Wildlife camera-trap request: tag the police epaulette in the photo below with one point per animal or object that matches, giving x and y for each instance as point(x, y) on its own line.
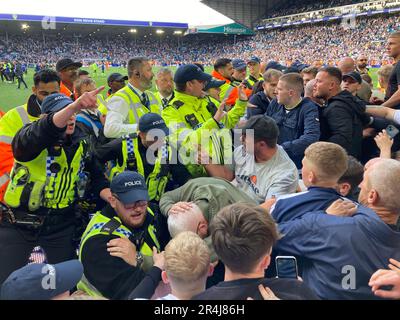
point(111, 226)
point(177, 104)
point(131, 136)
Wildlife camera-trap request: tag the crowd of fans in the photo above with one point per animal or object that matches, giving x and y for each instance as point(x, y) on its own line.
point(326, 42)
point(252, 182)
point(291, 7)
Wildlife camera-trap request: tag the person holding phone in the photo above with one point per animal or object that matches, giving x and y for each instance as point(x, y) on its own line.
point(243, 236)
point(340, 253)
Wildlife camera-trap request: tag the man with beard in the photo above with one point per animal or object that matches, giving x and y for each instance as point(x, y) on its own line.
point(68, 70)
point(46, 82)
point(165, 86)
point(49, 160)
point(121, 241)
point(362, 62)
point(343, 115)
point(133, 101)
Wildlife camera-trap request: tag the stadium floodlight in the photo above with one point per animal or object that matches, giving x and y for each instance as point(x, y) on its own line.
point(159, 31)
point(132, 30)
point(177, 32)
point(25, 26)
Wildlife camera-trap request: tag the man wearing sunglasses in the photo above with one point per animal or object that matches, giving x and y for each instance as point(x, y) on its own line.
point(122, 241)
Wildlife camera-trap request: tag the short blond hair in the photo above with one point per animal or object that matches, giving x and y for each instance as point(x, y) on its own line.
point(329, 160)
point(187, 259)
point(385, 72)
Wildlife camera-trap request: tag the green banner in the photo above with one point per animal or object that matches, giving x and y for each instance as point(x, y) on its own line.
point(233, 28)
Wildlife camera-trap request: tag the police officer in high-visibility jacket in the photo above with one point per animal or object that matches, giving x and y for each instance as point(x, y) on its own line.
point(122, 240)
point(133, 101)
point(116, 82)
point(165, 86)
point(195, 122)
point(45, 82)
point(149, 153)
point(254, 64)
point(51, 165)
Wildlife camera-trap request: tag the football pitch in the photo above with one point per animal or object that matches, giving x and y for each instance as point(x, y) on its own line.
point(11, 97)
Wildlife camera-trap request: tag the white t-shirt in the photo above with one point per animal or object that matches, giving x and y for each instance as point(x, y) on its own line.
point(397, 116)
point(278, 176)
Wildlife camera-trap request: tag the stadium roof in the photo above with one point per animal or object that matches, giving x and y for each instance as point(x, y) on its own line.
point(245, 12)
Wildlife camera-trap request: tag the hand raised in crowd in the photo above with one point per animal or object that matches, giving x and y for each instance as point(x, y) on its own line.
point(87, 100)
point(180, 207)
point(384, 143)
point(342, 208)
point(158, 258)
point(386, 284)
point(124, 249)
point(220, 112)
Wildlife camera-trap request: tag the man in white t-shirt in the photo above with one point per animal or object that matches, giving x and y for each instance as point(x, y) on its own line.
point(261, 167)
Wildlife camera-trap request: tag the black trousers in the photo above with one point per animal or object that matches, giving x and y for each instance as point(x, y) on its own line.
point(16, 245)
point(21, 80)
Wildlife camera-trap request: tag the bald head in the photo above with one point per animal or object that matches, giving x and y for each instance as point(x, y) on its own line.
point(185, 221)
point(309, 89)
point(347, 65)
point(383, 177)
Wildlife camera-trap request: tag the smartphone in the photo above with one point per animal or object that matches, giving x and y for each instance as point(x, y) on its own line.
point(286, 267)
point(392, 131)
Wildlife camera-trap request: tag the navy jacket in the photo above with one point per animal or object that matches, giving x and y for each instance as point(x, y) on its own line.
point(298, 128)
point(340, 254)
point(296, 205)
point(261, 101)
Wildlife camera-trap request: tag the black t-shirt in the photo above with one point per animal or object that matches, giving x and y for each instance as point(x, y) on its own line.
point(394, 82)
point(284, 289)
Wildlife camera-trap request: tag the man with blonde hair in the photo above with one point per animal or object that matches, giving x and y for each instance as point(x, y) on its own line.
point(243, 236)
point(324, 163)
point(187, 266)
point(340, 253)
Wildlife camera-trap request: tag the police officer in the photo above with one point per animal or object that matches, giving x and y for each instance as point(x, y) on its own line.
point(165, 86)
point(45, 82)
point(193, 119)
point(133, 101)
point(121, 240)
point(254, 64)
point(116, 82)
point(149, 153)
point(50, 164)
